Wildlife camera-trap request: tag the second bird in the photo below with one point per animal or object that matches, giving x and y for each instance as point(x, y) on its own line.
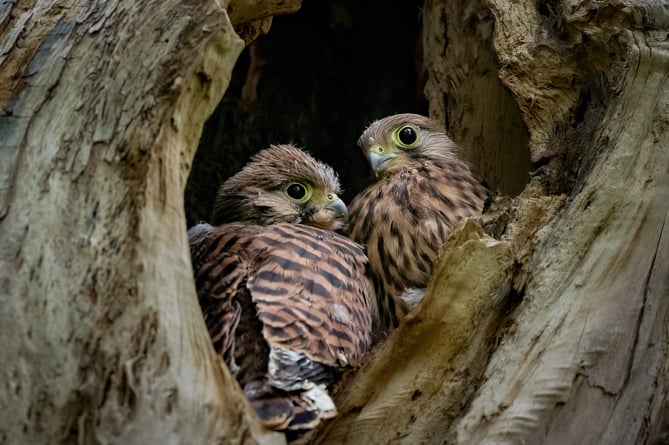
point(423, 190)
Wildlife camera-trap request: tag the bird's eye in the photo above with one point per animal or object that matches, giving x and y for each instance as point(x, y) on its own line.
point(296, 191)
point(407, 136)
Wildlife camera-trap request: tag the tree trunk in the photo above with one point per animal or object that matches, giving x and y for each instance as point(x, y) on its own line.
point(103, 105)
point(556, 331)
point(549, 325)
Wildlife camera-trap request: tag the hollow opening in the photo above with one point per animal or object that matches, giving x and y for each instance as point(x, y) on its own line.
point(321, 75)
point(317, 79)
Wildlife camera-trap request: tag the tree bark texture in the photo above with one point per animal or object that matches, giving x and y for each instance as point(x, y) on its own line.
point(467, 95)
point(103, 106)
point(546, 320)
point(554, 330)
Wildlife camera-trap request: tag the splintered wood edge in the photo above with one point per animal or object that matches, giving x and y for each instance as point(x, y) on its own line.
point(431, 349)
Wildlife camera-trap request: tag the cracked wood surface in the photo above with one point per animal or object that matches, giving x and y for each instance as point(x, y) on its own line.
point(582, 356)
point(557, 332)
point(590, 339)
point(103, 104)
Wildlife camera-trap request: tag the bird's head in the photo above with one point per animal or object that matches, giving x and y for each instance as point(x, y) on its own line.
point(404, 140)
point(282, 184)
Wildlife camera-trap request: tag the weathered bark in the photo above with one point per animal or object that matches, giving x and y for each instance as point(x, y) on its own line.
point(582, 355)
point(466, 93)
point(103, 340)
point(587, 359)
point(551, 328)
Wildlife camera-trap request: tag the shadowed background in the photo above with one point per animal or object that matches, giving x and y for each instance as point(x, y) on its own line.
point(323, 74)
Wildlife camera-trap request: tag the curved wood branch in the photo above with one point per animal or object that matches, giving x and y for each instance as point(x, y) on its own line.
point(103, 106)
point(583, 356)
point(247, 11)
point(589, 337)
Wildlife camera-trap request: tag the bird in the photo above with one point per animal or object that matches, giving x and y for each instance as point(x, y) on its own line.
point(282, 184)
point(288, 302)
point(422, 189)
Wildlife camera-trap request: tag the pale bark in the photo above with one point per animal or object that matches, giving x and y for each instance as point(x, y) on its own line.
point(582, 355)
point(553, 331)
point(103, 340)
point(587, 359)
point(466, 94)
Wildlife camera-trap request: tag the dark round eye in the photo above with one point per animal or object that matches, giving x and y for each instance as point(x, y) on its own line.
point(296, 191)
point(407, 136)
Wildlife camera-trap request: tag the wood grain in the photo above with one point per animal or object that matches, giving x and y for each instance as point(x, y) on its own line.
point(103, 106)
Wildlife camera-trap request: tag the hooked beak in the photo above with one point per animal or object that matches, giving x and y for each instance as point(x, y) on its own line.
point(378, 161)
point(338, 207)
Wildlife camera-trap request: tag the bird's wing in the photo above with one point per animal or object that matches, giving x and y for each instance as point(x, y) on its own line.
point(221, 269)
point(312, 294)
point(284, 305)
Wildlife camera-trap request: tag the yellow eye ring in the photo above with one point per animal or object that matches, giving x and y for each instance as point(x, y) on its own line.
point(298, 191)
point(406, 136)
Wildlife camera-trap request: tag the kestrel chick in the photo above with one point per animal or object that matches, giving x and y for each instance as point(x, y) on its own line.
point(423, 190)
point(288, 306)
point(282, 184)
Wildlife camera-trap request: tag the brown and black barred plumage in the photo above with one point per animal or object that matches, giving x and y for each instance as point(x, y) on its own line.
point(287, 305)
point(423, 190)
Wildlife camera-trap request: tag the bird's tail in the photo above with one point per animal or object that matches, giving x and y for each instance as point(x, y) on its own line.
point(294, 410)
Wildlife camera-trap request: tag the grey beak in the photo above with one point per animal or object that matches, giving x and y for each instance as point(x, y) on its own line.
point(338, 207)
point(378, 160)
